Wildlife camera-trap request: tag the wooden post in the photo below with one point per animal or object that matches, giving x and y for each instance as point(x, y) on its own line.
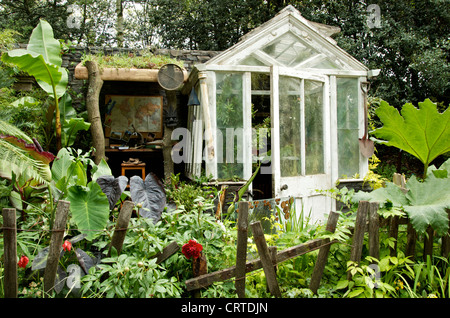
point(411, 238)
point(56, 241)
point(398, 180)
point(393, 232)
point(167, 138)
point(445, 247)
point(358, 235)
point(263, 251)
point(428, 243)
point(323, 254)
point(241, 251)
point(121, 227)
point(10, 253)
point(95, 84)
point(374, 230)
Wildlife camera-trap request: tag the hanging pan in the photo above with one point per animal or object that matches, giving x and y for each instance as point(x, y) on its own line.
point(365, 144)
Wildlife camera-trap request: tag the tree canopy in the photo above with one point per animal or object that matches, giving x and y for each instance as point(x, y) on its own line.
point(410, 45)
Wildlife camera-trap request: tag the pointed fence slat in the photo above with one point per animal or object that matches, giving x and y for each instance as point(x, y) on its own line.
point(10, 253)
point(56, 240)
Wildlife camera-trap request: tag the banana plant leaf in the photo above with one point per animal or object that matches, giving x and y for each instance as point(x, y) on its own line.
point(42, 60)
point(150, 193)
point(112, 187)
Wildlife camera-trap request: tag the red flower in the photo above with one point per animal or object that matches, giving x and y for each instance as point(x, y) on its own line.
point(192, 249)
point(23, 261)
point(67, 246)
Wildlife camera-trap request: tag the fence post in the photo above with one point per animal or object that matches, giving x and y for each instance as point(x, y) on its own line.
point(263, 251)
point(121, 226)
point(358, 235)
point(374, 230)
point(10, 252)
point(56, 241)
point(241, 251)
point(411, 238)
point(323, 254)
point(445, 247)
point(428, 243)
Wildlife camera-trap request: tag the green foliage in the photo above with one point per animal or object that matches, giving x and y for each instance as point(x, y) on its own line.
point(422, 132)
point(42, 60)
point(140, 60)
point(425, 202)
point(89, 207)
point(22, 156)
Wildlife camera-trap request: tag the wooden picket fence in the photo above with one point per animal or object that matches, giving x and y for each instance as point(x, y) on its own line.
point(56, 241)
point(367, 220)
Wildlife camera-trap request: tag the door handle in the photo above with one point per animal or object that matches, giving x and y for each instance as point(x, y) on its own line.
point(284, 187)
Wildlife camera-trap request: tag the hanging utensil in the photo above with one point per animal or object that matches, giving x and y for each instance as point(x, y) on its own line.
point(365, 144)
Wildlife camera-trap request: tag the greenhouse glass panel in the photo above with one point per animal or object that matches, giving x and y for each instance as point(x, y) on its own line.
point(290, 126)
point(229, 116)
point(289, 50)
point(314, 155)
point(347, 121)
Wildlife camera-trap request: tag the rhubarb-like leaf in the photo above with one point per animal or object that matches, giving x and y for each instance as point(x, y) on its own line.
point(425, 202)
point(423, 132)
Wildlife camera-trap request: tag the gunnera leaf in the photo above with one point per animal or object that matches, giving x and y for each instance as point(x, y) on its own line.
point(112, 187)
point(150, 193)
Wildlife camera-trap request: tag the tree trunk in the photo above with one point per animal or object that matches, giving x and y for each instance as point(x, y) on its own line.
point(92, 104)
point(119, 24)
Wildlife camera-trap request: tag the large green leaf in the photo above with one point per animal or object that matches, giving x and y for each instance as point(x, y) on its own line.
point(425, 202)
point(90, 209)
point(43, 42)
point(34, 64)
point(71, 128)
point(42, 59)
point(428, 202)
point(423, 132)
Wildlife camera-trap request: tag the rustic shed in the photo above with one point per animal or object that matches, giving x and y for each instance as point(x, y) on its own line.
point(285, 95)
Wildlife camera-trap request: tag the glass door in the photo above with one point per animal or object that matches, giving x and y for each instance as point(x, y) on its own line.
point(300, 147)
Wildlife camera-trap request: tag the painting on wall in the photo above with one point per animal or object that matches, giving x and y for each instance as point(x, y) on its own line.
point(142, 114)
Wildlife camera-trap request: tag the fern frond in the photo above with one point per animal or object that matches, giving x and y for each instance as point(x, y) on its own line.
point(14, 159)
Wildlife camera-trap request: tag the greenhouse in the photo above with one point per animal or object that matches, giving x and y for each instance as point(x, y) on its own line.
point(286, 79)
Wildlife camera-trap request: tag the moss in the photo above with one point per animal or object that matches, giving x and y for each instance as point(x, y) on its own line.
point(145, 60)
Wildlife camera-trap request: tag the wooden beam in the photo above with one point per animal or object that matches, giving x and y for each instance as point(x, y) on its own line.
point(253, 265)
point(92, 105)
point(168, 251)
point(123, 74)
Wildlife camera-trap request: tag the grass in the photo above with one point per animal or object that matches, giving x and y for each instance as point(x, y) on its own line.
point(141, 60)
